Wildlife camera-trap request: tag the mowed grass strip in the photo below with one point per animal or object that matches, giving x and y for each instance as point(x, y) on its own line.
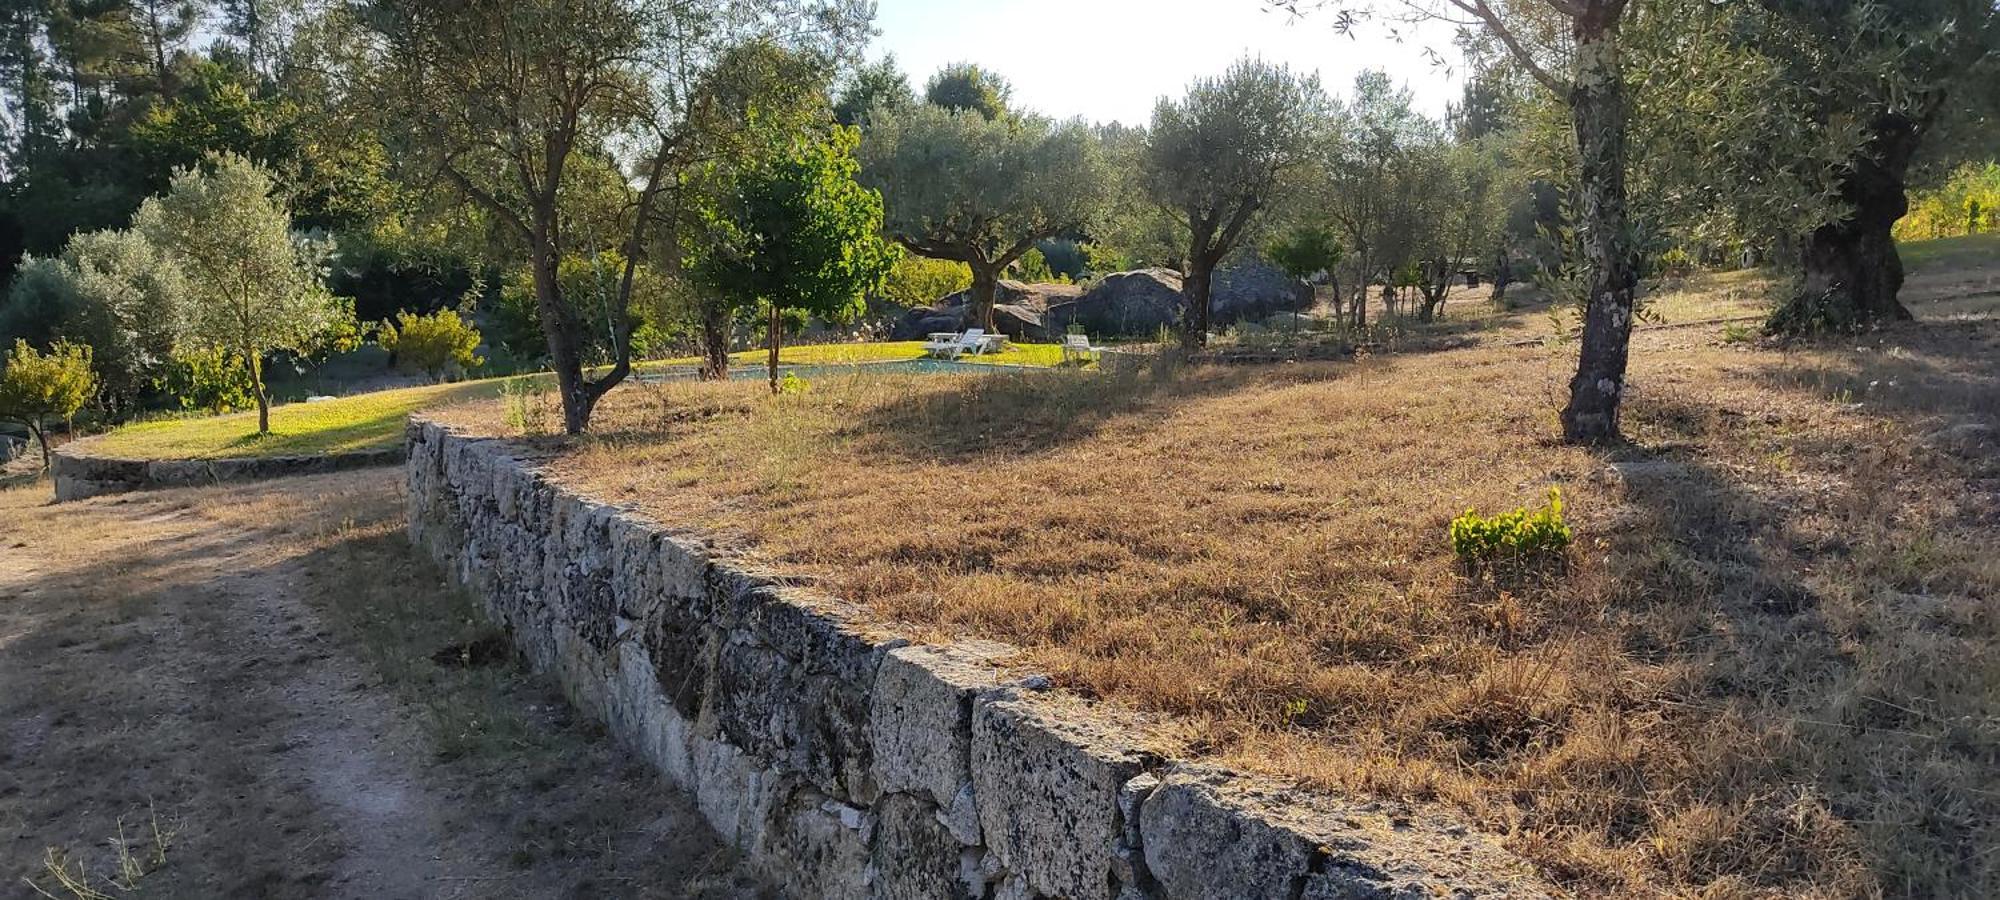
point(360, 422)
point(1771, 667)
point(374, 420)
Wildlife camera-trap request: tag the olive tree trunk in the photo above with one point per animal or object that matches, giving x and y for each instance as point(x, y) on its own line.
point(1850, 273)
point(1598, 107)
point(565, 343)
point(254, 361)
point(714, 340)
point(776, 336)
point(1195, 289)
point(985, 288)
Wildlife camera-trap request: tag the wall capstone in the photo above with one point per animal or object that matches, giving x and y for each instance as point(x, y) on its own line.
point(845, 762)
point(79, 473)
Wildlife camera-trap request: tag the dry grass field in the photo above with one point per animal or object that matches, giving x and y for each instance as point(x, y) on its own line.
point(1772, 666)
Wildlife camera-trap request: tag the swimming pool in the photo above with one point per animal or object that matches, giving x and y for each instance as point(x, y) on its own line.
point(922, 366)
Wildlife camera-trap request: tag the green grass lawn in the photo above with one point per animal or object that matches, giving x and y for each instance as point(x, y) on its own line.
point(367, 421)
point(360, 422)
point(1964, 250)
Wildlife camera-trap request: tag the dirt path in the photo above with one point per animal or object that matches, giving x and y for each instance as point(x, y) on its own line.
point(240, 681)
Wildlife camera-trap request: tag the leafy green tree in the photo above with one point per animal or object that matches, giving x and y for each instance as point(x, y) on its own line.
point(1218, 156)
point(1803, 122)
point(1304, 251)
point(37, 387)
point(1539, 36)
point(955, 187)
point(799, 234)
point(432, 343)
point(252, 288)
point(966, 86)
point(503, 99)
point(112, 290)
point(878, 84)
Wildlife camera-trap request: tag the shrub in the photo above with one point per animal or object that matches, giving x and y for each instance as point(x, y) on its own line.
point(1511, 543)
point(432, 343)
point(922, 281)
point(211, 380)
point(36, 387)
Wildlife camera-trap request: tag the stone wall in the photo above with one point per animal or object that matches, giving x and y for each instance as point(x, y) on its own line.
point(848, 763)
point(79, 474)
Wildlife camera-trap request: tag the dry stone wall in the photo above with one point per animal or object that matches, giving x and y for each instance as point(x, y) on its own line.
point(79, 473)
point(846, 762)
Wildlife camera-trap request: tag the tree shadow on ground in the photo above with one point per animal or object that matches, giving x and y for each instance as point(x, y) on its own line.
point(1820, 629)
point(1908, 372)
point(1034, 412)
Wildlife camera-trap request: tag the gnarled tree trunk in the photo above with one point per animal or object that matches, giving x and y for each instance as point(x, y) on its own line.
point(1850, 272)
point(1598, 107)
point(1195, 290)
point(565, 343)
point(985, 286)
point(714, 340)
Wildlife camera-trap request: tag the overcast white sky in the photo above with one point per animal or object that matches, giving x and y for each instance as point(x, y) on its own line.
point(1109, 60)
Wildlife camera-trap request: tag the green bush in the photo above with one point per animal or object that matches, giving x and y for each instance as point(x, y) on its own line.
point(1511, 542)
point(210, 380)
point(37, 387)
point(433, 343)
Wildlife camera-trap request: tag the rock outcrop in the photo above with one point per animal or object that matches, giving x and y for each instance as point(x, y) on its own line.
point(1122, 304)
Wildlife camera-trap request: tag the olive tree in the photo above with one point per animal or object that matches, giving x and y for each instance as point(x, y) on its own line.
point(112, 290)
point(253, 288)
point(1801, 122)
point(501, 100)
point(1217, 157)
point(959, 186)
point(1542, 38)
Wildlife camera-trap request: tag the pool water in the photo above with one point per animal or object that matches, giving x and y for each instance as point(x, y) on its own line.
point(809, 372)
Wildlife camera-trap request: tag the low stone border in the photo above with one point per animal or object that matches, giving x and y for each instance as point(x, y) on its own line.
point(845, 762)
point(78, 474)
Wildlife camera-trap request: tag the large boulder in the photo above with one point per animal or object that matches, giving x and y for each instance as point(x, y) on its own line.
point(1123, 304)
point(1252, 290)
point(1019, 311)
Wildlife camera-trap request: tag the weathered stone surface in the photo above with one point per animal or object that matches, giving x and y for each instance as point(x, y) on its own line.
point(915, 857)
point(79, 474)
point(1018, 311)
point(1129, 304)
point(1252, 290)
point(1048, 781)
point(1208, 832)
point(920, 719)
point(791, 686)
point(812, 848)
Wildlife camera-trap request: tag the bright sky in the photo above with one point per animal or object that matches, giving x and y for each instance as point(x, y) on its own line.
point(1109, 60)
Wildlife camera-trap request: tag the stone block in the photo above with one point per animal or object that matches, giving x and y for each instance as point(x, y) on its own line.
point(920, 719)
point(1047, 779)
point(791, 686)
point(914, 857)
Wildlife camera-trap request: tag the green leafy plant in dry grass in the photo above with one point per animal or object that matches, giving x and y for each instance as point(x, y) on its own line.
point(1514, 543)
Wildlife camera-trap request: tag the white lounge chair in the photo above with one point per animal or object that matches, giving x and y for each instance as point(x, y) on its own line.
point(1077, 348)
point(950, 345)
